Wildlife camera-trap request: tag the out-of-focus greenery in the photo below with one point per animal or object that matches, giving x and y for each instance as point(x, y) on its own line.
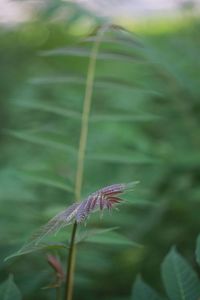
point(179, 279)
point(144, 126)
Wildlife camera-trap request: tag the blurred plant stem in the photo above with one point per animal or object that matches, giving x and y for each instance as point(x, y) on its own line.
point(81, 158)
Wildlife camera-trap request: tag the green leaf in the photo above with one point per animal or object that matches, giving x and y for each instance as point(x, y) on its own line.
point(59, 79)
point(118, 41)
point(100, 82)
point(32, 247)
point(61, 111)
point(142, 291)
point(181, 282)
point(53, 141)
point(135, 158)
point(116, 34)
point(9, 290)
point(198, 250)
point(123, 118)
point(85, 52)
point(110, 238)
point(82, 236)
point(46, 179)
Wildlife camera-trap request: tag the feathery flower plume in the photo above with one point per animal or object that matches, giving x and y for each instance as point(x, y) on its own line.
point(105, 198)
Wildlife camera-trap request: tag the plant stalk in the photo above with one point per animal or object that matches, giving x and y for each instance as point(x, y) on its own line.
point(81, 158)
point(70, 265)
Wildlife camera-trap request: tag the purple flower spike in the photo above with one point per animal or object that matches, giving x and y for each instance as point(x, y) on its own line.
point(105, 198)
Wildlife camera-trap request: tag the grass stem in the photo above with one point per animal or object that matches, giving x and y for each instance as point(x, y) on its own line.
point(81, 158)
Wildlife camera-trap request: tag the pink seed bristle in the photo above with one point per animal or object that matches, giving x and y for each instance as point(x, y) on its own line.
point(93, 203)
point(114, 200)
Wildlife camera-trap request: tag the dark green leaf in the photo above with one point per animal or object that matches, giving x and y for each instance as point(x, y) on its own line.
point(111, 238)
point(82, 236)
point(141, 291)
point(48, 140)
point(61, 111)
point(181, 282)
point(47, 179)
point(123, 118)
point(59, 79)
point(135, 158)
point(9, 290)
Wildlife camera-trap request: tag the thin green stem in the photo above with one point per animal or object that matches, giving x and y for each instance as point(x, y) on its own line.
point(85, 117)
point(71, 265)
point(81, 158)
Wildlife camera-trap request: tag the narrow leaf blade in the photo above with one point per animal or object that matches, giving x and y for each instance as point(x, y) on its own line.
point(55, 109)
point(30, 248)
point(111, 238)
point(46, 179)
point(52, 141)
point(85, 52)
point(123, 118)
point(82, 236)
point(135, 158)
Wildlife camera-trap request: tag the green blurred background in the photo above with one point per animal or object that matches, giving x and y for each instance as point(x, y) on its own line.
point(144, 126)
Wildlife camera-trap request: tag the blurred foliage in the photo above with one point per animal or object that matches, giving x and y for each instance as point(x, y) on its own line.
point(180, 280)
point(144, 126)
point(9, 291)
